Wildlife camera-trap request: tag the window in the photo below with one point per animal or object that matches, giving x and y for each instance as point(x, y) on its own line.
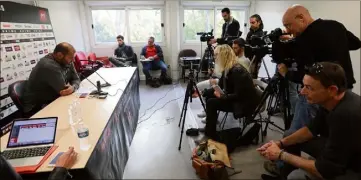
point(107, 25)
point(204, 20)
point(145, 23)
point(136, 25)
point(239, 15)
point(197, 21)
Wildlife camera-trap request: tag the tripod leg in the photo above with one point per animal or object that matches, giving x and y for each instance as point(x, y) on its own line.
point(184, 119)
point(195, 86)
point(186, 99)
point(182, 113)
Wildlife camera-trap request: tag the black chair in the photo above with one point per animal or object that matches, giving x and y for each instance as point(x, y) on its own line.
point(184, 66)
point(16, 93)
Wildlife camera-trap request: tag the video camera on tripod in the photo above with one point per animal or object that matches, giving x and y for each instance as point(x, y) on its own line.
point(281, 51)
point(206, 36)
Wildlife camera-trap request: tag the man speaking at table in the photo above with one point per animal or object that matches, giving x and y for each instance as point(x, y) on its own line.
point(52, 77)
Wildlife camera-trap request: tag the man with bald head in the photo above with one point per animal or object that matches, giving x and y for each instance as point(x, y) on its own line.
point(53, 76)
point(316, 41)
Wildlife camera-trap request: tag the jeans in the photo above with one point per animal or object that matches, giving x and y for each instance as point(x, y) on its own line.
point(293, 92)
point(304, 113)
point(119, 63)
point(153, 64)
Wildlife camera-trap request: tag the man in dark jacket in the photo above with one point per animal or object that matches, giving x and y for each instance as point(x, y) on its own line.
point(256, 29)
point(230, 29)
point(124, 54)
point(53, 76)
point(60, 172)
point(154, 53)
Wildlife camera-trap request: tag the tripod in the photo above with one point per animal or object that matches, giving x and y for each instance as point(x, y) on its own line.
point(207, 59)
point(190, 86)
point(280, 83)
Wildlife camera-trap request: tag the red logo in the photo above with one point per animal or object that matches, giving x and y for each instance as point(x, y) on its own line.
point(6, 25)
point(42, 15)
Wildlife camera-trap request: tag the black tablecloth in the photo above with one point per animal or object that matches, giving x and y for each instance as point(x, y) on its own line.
point(111, 152)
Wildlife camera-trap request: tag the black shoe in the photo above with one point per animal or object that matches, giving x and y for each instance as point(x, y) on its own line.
point(268, 177)
point(192, 132)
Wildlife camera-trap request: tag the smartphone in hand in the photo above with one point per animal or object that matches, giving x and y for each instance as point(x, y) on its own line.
point(218, 89)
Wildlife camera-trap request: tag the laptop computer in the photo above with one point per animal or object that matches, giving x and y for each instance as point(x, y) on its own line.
point(30, 140)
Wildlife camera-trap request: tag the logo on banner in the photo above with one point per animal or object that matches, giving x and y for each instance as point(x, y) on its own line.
point(21, 73)
point(41, 52)
point(2, 79)
point(27, 63)
point(15, 75)
point(17, 48)
point(20, 65)
point(45, 51)
point(32, 61)
point(8, 49)
point(6, 25)
point(42, 15)
point(6, 68)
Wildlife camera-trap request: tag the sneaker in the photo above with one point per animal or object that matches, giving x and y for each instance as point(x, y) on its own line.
point(271, 167)
point(204, 120)
point(198, 141)
point(202, 115)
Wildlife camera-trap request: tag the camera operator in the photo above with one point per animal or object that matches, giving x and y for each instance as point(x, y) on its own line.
point(256, 29)
point(316, 41)
point(328, 137)
point(239, 92)
point(230, 29)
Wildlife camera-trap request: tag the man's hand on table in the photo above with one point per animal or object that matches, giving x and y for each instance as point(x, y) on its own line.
point(69, 89)
point(67, 159)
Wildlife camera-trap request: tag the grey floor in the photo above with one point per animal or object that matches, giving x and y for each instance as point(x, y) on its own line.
point(154, 150)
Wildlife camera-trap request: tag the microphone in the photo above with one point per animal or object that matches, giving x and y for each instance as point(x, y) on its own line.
point(106, 82)
point(98, 86)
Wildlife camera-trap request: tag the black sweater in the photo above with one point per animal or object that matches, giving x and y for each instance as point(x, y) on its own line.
point(230, 33)
point(326, 40)
point(239, 90)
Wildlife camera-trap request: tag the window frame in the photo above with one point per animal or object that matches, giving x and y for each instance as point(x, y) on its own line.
point(216, 9)
point(127, 40)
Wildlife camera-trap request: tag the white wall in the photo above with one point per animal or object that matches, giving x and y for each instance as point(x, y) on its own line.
point(71, 23)
point(346, 12)
point(64, 16)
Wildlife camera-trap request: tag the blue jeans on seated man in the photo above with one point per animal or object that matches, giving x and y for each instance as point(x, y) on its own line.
point(147, 66)
point(303, 115)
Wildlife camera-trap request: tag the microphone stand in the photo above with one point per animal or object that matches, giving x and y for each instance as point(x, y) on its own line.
point(98, 91)
point(106, 82)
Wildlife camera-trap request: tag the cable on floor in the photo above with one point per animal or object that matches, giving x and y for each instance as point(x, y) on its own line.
point(170, 89)
point(158, 109)
point(275, 130)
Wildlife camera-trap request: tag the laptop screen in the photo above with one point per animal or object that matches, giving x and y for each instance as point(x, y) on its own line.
point(28, 132)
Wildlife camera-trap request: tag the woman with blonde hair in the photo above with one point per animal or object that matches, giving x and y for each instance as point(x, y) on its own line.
point(238, 92)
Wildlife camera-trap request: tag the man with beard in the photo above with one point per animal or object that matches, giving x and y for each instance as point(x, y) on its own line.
point(255, 30)
point(124, 54)
point(230, 29)
point(53, 76)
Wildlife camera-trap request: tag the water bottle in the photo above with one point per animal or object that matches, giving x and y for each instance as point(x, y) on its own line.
point(83, 135)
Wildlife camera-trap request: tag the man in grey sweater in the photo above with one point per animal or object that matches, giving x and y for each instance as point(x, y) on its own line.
point(52, 77)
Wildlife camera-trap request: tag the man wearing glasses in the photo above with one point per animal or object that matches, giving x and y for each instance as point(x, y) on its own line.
point(316, 41)
point(333, 137)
